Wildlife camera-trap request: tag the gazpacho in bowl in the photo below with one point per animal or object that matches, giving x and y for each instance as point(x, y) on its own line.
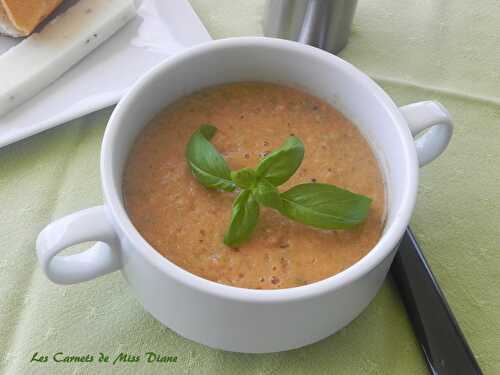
point(185, 222)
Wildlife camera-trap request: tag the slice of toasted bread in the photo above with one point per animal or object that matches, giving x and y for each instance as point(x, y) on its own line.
point(6, 27)
point(21, 17)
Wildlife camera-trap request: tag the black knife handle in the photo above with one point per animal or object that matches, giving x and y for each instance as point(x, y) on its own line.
point(443, 344)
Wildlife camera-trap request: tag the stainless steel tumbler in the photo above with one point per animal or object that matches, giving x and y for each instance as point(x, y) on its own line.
point(322, 23)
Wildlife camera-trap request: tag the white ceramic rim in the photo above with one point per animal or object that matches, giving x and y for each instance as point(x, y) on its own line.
point(382, 249)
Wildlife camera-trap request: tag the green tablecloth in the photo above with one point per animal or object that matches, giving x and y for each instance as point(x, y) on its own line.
point(418, 49)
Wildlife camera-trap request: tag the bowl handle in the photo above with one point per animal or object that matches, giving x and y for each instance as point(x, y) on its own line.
point(433, 116)
point(91, 224)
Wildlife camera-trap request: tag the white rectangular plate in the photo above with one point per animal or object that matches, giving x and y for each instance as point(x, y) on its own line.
point(160, 29)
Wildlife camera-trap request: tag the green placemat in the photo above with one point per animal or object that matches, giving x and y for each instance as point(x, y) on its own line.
point(420, 50)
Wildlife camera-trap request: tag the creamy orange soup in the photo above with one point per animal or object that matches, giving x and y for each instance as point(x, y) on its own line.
point(185, 222)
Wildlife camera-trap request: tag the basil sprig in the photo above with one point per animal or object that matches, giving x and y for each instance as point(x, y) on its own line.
point(319, 205)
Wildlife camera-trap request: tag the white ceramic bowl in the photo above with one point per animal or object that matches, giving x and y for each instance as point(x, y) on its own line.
point(226, 317)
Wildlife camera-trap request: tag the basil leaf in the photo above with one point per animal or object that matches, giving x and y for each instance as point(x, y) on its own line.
point(267, 195)
point(244, 178)
point(325, 206)
point(207, 130)
point(243, 219)
point(207, 165)
point(282, 163)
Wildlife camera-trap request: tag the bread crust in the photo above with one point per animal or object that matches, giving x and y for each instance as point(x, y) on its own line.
point(26, 15)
